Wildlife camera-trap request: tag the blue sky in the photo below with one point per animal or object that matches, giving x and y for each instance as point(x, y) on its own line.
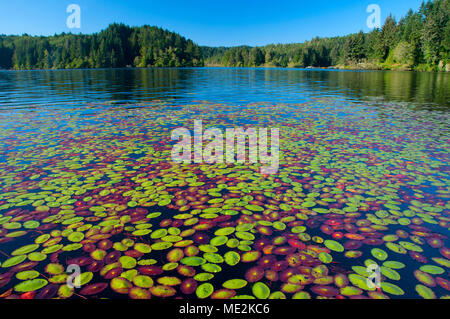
point(207, 22)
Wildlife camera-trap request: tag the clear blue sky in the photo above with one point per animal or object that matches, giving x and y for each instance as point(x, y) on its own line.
point(207, 22)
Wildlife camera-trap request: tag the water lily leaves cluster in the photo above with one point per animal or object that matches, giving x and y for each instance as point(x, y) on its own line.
point(358, 185)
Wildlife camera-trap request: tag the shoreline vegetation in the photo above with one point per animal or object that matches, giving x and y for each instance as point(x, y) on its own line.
point(419, 41)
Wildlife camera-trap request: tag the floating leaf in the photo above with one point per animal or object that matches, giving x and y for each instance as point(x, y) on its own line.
point(260, 290)
point(25, 249)
point(93, 289)
point(204, 290)
point(13, 261)
point(169, 281)
point(391, 289)
point(27, 275)
point(162, 291)
point(204, 276)
point(379, 254)
point(232, 258)
point(360, 282)
point(334, 245)
point(433, 270)
point(394, 264)
point(193, 261)
point(127, 262)
point(390, 273)
point(31, 285)
point(425, 292)
point(235, 284)
point(120, 285)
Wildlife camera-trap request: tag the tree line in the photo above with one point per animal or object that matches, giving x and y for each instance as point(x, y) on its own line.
point(420, 40)
point(117, 46)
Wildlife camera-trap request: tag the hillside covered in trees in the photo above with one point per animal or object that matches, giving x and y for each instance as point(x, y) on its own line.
point(117, 46)
point(420, 41)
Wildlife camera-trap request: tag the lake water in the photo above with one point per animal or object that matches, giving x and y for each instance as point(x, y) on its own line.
point(231, 85)
point(87, 180)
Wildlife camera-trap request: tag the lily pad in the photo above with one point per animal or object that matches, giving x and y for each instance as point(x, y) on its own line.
point(431, 269)
point(13, 261)
point(25, 250)
point(235, 283)
point(232, 258)
point(379, 254)
point(193, 261)
point(31, 285)
point(204, 290)
point(391, 289)
point(425, 292)
point(333, 245)
point(261, 290)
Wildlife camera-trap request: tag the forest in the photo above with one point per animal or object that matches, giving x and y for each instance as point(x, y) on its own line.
point(418, 41)
point(117, 46)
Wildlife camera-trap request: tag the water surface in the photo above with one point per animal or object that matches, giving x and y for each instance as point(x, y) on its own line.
point(87, 179)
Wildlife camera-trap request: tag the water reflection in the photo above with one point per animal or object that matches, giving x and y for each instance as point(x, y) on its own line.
point(24, 89)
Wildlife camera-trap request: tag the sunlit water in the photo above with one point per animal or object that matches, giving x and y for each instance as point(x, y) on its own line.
point(87, 178)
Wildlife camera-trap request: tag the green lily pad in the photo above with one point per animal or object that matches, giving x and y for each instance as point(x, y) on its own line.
point(54, 269)
point(232, 258)
point(213, 258)
point(25, 250)
point(169, 281)
point(325, 258)
point(254, 208)
point(161, 245)
point(204, 290)
point(245, 235)
point(211, 268)
point(250, 256)
point(277, 295)
point(27, 275)
point(159, 233)
point(333, 245)
point(391, 289)
point(193, 261)
point(76, 237)
point(31, 285)
point(394, 264)
point(379, 254)
point(360, 282)
point(425, 292)
point(224, 231)
point(442, 261)
point(411, 246)
point(261, 290)
point(143, 281)
point(13, 261)
point(390, 273)
point(127, 262)
point(204, 276)
point(431, 269)
point(235, 283)
point(396, 248)
point(219, 240)
point(350, 291)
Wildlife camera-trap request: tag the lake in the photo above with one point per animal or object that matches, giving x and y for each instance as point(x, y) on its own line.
point(93, 205)
point(231, 85)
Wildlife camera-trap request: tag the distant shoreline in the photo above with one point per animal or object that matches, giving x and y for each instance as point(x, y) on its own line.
point(339, 68)
point(335, 67)
point(330, 68)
